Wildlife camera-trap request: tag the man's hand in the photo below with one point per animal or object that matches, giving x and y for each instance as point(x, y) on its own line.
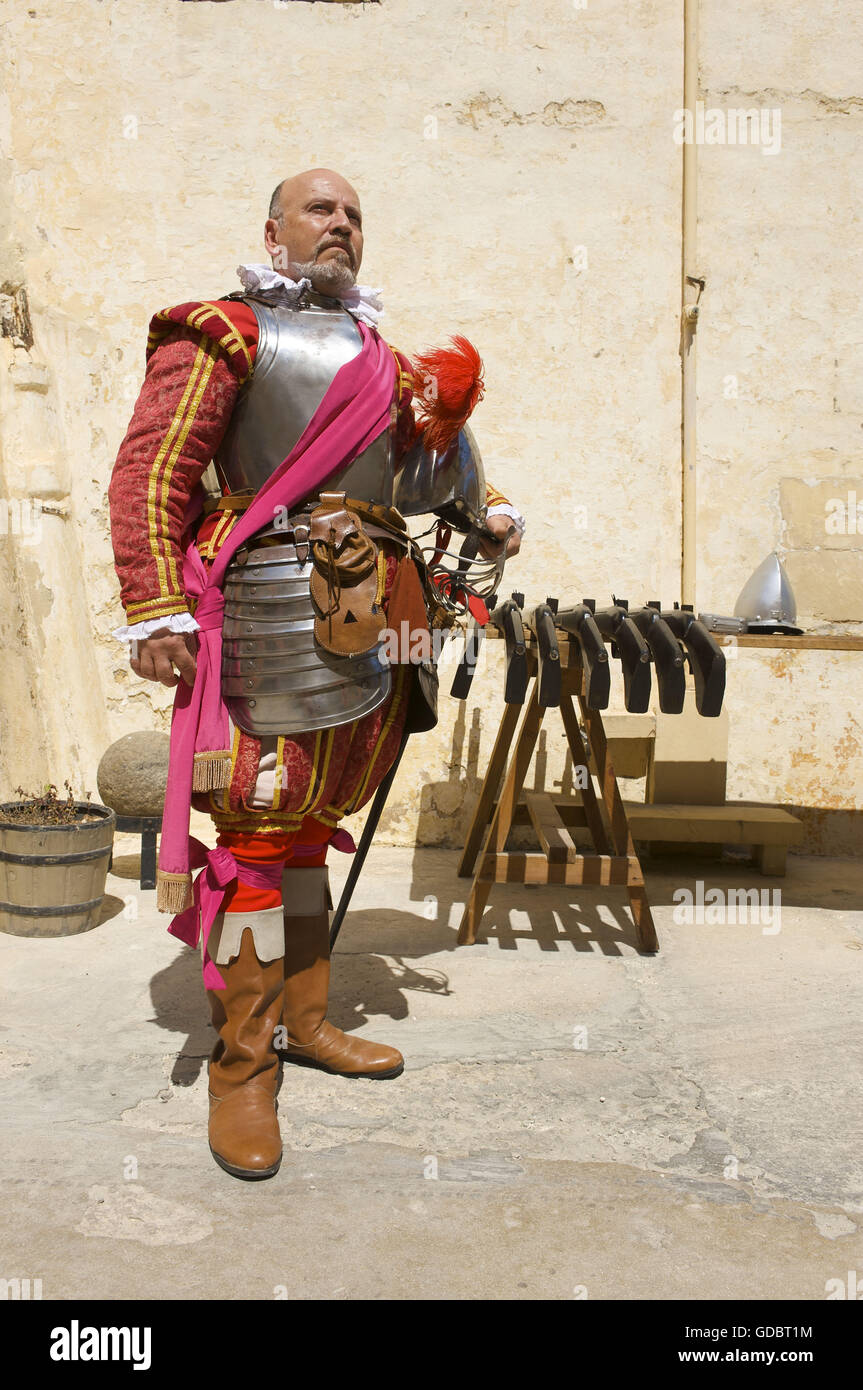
point(159, 654)
point(500, 526)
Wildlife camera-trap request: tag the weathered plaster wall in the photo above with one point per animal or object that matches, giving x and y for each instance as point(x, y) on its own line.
point(520, 184)
point(780, 362)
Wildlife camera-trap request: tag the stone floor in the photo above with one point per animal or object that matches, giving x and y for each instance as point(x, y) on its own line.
point(575, 1120)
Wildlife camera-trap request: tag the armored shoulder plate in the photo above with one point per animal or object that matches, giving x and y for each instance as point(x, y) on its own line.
point(451, 483)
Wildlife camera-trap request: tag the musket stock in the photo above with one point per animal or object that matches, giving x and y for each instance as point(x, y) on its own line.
point(542, 623)
point(617, 627)
point(668, 658)
point(579, 623)
point(667, 639)
point(706, 659)
point(463, 678)
point(507, 619)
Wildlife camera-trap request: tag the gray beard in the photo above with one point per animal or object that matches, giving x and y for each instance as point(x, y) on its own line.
point(327, 277)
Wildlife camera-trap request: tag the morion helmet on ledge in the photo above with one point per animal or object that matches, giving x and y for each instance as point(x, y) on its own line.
point(766, 601)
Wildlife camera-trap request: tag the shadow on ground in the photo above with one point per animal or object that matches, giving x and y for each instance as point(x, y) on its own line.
point(374, 973)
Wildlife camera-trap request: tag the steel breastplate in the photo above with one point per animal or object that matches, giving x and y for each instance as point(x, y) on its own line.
point(299, 352)
point(276, 679)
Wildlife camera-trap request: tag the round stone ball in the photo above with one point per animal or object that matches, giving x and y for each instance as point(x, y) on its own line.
point(133, 774)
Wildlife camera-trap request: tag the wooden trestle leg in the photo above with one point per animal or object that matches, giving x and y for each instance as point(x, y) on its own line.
point(642, 916)
point(501, 821)
point(614, 860)
point(499, 755)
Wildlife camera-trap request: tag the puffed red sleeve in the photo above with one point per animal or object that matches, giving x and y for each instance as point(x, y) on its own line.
point(406, 425)
point(198, 357)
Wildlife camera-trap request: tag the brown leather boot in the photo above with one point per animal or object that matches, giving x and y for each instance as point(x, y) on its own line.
point(244, 1068)
point(307, 1038)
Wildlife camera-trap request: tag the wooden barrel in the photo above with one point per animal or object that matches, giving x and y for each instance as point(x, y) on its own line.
point(52, 877)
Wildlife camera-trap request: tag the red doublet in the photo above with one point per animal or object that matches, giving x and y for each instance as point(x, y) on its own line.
point(198, 356)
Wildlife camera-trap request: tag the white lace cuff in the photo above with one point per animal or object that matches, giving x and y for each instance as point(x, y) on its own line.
point(138, 632)
point(505, 509)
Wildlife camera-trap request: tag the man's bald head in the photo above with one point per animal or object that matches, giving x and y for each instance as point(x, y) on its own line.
point(314, 229)
point(293, 190)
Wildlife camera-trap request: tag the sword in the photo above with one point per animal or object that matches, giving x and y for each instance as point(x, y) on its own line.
point(383, 791)
point(366, 838)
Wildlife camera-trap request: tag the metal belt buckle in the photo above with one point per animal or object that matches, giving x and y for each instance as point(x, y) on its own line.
point(301, 541)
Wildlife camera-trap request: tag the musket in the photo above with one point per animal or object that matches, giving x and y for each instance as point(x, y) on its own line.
point(542, 624)
point(667, 654)
point(706, 659)
point(464, 673)
point(627, 642)
point(506, 618)
point(580, 623)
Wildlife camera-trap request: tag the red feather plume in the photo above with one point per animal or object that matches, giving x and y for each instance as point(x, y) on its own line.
point(449, 384)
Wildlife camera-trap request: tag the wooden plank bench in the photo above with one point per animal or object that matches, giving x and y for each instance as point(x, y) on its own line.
point(684, 760)
point(769, 829)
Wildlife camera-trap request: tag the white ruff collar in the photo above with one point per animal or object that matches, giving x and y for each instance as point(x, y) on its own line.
point(360, 300)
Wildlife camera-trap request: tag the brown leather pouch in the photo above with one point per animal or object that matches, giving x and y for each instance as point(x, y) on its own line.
point(347, 582)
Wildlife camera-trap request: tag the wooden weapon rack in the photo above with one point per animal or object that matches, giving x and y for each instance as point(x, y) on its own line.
point(612, 860)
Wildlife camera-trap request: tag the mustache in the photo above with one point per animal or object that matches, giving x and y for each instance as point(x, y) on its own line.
point(341, 246)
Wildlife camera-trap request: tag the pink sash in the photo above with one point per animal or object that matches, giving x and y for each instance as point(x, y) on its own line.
point(354, 411)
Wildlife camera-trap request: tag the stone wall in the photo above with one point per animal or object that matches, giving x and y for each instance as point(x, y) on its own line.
point(780, 365)
point(520, 184)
